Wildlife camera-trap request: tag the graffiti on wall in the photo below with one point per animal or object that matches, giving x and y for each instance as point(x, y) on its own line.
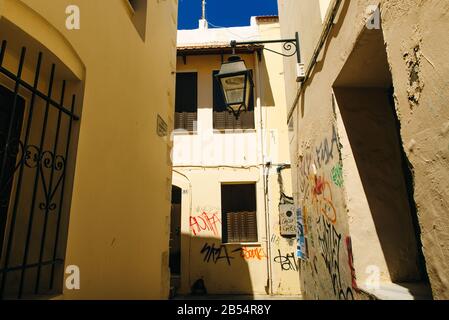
point(337, 175)
point(320, 174)
point(330, 241)
point(351, 263)
point(251, 253)
point(325, 151)
point(215, 254)
point(275, 239)
point(322, 199)
point(313, 161)
point(205, 222)
point(287, 261)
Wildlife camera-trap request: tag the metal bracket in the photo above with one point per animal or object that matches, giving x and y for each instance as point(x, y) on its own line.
point(288, 45)
point(292, 46)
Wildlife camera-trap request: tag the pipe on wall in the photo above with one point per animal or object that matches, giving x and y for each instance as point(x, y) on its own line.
point(264, 172)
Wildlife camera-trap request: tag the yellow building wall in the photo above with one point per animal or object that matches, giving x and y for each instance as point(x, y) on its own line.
point(119, 220)
point(206, 159)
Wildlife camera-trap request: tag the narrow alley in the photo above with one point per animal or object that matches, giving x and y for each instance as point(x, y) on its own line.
point(193, 150)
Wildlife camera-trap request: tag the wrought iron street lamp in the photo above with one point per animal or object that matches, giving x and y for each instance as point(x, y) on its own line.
point(236, 84)
point(235, 79)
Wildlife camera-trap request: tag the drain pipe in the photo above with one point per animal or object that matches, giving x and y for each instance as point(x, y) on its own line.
point(329, 23)
point(264, 167)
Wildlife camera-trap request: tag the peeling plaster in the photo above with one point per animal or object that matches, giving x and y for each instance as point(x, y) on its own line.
point(415, 86)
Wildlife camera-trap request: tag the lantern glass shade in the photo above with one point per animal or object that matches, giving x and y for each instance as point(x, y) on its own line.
point(236, 84)
point(233, 88)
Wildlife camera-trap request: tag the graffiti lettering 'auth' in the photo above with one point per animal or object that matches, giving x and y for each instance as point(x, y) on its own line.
point(205, 222)
point(288, 262)
point(251, 253)
point(215, 254)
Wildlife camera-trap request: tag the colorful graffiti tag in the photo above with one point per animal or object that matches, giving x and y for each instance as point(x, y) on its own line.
point(205, 222)
point(320, 173)
point(337, 175)
point(216, 253)
point(251, 253)
point(330, 241)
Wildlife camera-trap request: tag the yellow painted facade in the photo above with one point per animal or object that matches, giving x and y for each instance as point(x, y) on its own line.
point(119, 211)
point(207, 158)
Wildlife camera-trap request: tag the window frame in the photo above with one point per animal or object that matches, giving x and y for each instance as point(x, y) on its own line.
point(225, 212)
point(196, 96)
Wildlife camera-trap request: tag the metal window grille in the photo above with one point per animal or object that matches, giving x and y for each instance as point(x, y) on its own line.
point(35, 143)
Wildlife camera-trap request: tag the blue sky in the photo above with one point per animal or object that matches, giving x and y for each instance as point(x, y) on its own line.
point(224, 13)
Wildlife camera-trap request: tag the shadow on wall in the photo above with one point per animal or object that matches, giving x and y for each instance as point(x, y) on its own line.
point(215, 268)
point(364, 94)
point(267, 98)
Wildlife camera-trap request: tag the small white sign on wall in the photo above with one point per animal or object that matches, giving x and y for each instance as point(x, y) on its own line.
point(287, 220)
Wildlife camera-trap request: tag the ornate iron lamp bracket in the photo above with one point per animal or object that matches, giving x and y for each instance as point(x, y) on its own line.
point(291, 46)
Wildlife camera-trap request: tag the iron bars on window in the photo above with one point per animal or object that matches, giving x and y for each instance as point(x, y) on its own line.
point(35, 142)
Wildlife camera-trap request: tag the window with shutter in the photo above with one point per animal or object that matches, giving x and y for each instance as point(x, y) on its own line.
point(238, 203)
point(223, 119)
point(186, 105)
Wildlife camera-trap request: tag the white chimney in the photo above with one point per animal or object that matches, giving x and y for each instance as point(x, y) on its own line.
point(203, 25)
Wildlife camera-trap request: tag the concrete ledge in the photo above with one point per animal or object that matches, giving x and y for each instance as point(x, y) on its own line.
point(402, 291)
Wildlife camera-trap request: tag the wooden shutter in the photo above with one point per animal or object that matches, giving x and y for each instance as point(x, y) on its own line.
point(179, 120)
point(238, 202)
point(241, 226)
point(250, 227)
point(190, 121)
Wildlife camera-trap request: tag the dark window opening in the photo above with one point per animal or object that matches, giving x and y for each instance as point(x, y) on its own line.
point(223, 119)
point(133, 4)
point(8, 161)
point(186, 105)
point(139, 17)
point(238, 205)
